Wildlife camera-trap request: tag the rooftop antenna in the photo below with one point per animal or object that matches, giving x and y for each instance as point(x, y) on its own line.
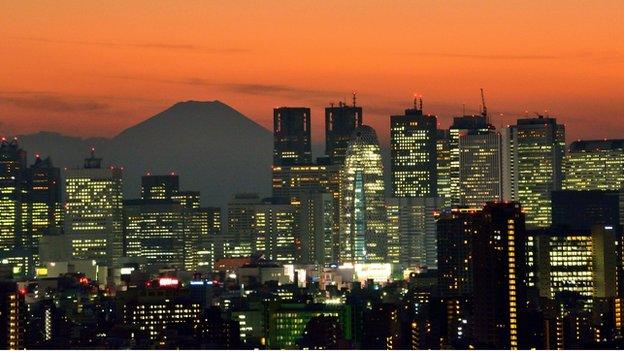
point(354, 97)
point(92, 152)
point(415, 101)
point(484, 112)
point(463, 109)
point(420, 102)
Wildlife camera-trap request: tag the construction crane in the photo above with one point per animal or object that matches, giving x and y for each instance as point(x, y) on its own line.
point(484, 112)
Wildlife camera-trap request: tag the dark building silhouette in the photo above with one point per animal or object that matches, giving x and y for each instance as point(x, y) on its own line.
point(159, 187)
point(292, 144)
point(499, 288)
point(413, 139)
point(583, 209)
point(13, 315)
point(381, 327)
point(340, 123)
point(322, 333)
point(215, 332)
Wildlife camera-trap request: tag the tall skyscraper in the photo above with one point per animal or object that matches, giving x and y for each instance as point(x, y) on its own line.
point(94, 211)
point(13, 192)
point(159, 187)
point(594, 165)
point(480, 173)
point(499, 287)
point(44, 201)
point(292, 138)
point(414, 221)
point(443, 153)
point(462, 126)
point(316, 225)
point(340, 122)
point(534, 157)
point(362, 201)
point(156, 232)
point(413, 149)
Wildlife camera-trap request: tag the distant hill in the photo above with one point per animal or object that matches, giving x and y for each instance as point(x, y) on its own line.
point(214, 148)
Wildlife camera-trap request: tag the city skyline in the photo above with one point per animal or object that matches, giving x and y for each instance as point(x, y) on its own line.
point(96, 82)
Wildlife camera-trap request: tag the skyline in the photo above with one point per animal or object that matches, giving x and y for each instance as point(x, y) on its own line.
point(108, 67)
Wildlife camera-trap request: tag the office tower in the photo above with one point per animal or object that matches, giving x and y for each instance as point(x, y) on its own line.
point(362, 201)
point(340, 122)
point(155, 310)
point(594, 165)
point(393, 231)
point(44, 201)
point(534, 157)
point(190, 199)
point(94, 211)
point(461, 126)
point(316, 225)
point(456, 229)
point(413, 154)
point(414, 221)
point(443, 153)
point(13, 317)
point(499, 289)
point(159, 187)
point(291, 136)
point(291, 181)
point(276, 231)
point(580, 261)
point(286, 322)
point(13, 192)
point(157, 232)
point(480, 173)
point(239, 234)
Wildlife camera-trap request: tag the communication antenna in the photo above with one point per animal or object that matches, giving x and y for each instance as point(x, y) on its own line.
point(354, 97)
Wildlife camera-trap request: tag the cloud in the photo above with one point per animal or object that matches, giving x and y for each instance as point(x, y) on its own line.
point(52, 102)
point(482, 56)
point(146, 45)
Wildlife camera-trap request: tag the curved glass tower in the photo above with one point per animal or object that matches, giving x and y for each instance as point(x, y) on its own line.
point(362, 201)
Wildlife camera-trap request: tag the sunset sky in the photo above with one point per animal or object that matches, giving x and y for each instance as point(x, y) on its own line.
point(94, 68)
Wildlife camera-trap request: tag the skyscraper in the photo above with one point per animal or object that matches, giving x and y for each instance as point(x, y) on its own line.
point(480, 173)
point(292, 140)
point(534, 157)
point(499, 288)
point(362, 202)
point(94, 211)
point(413, 148)
point(13, 192)
point(44, 201)
point(159, 187)
point(443, 153)
point(416, 229)
point(316, 225)
point(340, 122)
point(594, 165)
point(462, 126)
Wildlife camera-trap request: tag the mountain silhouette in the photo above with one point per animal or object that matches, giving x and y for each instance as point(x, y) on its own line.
point(214, 148)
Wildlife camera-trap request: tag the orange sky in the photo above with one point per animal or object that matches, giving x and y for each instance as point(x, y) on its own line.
point(92, 69)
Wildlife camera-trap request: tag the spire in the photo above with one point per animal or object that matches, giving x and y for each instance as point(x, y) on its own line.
point(354, 97)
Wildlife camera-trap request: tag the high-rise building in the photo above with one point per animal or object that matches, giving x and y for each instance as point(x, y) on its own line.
point(13, 193)
point(291, 181)
point(594, 165)
point(268, 226)
point(413, 154)
point(13, 317)
point(94, 211)
point(464, 125)
point(362, 202)
point(156, 233)
point(534, 157)
point(292, 136)
point(44, 215)
point(443, 153)
point(159, 187)
point(413, 219)
point(190, 199)
point(499, 287)
point(316, 225)
point(580, 261)
point(480, 173)
point(580, 210)
point(340, 122)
